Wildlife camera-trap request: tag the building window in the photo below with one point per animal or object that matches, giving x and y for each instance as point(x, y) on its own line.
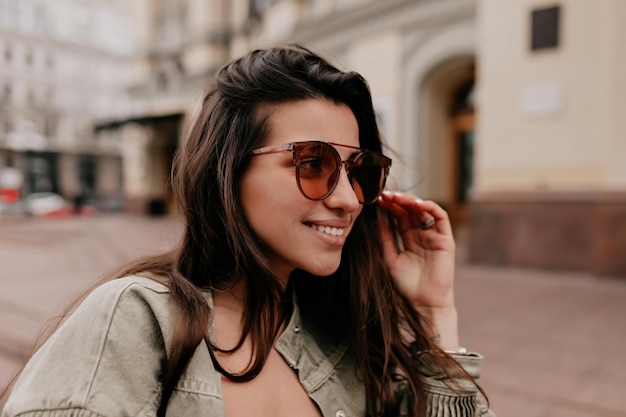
point(162, 81)
point(183, 9)
point(49, 95)
point(545, 24)
point(257, 7)
point(7, 93)
point(87, 168)
point(49, 128)
point(8, 126)
point(30, 96)
point(29, 57)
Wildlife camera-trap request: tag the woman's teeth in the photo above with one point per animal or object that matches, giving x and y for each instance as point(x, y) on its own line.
point(335, 231)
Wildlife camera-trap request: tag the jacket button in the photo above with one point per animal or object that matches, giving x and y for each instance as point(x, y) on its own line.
point(296, 329)
point(340, 413)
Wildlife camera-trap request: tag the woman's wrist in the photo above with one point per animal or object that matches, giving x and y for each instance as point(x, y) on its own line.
point(442, 325)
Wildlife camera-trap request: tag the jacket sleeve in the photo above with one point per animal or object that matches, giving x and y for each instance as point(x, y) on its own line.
point(106, 359)
point(458, 397)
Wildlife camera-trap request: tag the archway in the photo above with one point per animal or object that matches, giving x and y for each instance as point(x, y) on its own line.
point(433, 71)
point(447, 123)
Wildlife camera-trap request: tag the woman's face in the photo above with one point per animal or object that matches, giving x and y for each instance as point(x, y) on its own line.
point(298, 232)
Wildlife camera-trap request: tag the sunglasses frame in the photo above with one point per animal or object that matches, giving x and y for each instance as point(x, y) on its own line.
point(294, 147)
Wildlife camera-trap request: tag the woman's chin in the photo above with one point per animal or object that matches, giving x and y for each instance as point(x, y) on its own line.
point(323, 270)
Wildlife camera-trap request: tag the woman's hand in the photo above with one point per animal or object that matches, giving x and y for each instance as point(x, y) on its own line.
point(423, 268)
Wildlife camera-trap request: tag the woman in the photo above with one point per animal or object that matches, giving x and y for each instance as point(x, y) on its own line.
point(300, 287)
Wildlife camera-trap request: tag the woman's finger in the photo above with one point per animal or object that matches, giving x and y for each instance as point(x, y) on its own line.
point(399, 213)
point(413, 213)
point(441, 221)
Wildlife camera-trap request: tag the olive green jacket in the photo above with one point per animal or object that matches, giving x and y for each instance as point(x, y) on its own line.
point(107, 358)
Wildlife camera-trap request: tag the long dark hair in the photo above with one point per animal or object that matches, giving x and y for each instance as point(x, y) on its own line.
point(219, 247)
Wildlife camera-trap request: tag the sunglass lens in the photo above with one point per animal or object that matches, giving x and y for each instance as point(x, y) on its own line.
point(318, 170)
point(368, 175)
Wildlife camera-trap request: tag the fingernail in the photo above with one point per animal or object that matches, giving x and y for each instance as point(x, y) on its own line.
point(419, 200)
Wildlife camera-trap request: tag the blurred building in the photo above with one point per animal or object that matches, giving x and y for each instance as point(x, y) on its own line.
point(418, 56)
point(550, 178)
point(505, 112)
point(63, 64)
point(183, 43)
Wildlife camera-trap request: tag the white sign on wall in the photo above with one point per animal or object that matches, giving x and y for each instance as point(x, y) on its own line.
point(542, 100)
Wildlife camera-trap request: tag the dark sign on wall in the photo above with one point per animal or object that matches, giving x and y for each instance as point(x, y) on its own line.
point(544, 31)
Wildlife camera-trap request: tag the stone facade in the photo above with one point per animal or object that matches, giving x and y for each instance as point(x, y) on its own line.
point(550, 182)
point(556, 231)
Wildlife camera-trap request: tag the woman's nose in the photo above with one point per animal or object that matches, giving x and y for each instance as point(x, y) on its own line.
point(343, 196)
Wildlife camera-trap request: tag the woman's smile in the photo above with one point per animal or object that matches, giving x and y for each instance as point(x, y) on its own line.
point(332, 232)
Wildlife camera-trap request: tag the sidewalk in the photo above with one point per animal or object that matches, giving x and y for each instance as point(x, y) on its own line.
point(46, 264)
point(553, 342)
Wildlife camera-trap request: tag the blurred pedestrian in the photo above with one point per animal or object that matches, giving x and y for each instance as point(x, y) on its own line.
point(299, 287)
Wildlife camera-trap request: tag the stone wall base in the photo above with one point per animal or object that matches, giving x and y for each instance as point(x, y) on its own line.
point(555, 231)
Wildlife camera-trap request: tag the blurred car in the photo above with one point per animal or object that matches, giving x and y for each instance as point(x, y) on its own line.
point(46, 204)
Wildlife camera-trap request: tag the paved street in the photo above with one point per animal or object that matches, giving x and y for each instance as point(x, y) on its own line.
point(554, 342)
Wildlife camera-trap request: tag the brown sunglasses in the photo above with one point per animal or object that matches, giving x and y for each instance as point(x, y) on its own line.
point(318, 165)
